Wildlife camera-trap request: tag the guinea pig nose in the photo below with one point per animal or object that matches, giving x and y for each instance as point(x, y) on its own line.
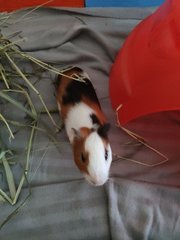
point(98, 182)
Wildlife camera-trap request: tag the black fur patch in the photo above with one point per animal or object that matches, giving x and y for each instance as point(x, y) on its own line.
point(75, 90)
point(103, 130)
point(94, 118)
point(57, 80)
point(58, 77)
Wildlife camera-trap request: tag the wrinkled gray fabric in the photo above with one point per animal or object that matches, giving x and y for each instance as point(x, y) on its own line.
point(138, 202)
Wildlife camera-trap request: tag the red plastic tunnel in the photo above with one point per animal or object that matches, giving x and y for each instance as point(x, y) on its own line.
point(145, 77)
point(11, 5)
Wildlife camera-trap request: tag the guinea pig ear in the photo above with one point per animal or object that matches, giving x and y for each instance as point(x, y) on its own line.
point(77, 133)
point(103, 130)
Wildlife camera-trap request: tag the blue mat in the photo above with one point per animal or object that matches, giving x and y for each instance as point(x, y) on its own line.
point(123, 3)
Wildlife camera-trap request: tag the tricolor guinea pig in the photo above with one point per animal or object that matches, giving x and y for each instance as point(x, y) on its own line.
point(85, 124)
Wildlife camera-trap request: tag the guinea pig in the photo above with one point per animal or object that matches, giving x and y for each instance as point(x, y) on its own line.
point(85, 124)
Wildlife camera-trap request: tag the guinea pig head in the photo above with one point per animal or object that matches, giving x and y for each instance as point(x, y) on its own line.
point(92, 153)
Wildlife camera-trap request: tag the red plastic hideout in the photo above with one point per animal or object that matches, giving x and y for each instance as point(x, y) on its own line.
point(145, 77)
point(10, 5)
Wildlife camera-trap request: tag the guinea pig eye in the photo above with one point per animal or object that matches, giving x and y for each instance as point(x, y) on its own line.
point(106, 154)
point(83, 160)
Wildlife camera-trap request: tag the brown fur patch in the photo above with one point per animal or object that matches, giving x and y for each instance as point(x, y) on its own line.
point(78, 150)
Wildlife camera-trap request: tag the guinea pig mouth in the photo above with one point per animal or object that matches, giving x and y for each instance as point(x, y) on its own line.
point(95, 183)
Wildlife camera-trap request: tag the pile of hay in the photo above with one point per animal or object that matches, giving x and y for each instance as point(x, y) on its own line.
point(16, 91)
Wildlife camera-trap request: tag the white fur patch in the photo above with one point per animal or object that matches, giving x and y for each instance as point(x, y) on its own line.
point(77, 117)
point(98, 167)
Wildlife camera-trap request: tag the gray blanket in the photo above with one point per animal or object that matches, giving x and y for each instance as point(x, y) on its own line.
point(138, 202)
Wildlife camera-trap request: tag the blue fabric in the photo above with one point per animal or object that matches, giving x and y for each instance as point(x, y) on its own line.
point(123, 3)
